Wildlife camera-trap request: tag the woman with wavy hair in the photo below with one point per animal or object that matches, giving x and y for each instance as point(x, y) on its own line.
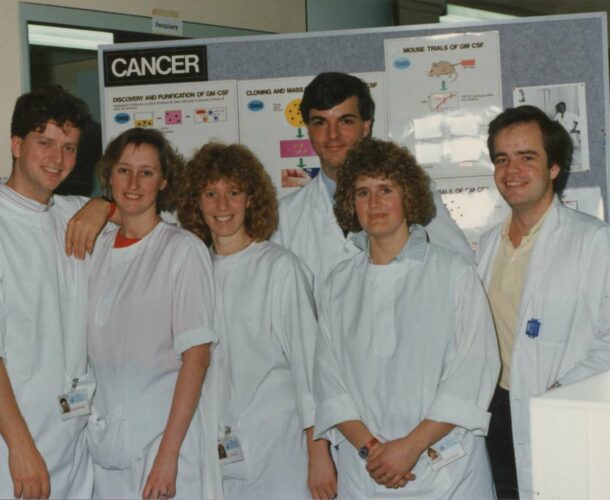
point(150, 335)
point(406, 360)
point(266, 319)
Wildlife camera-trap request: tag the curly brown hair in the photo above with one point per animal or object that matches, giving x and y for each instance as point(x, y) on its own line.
point(171, 162)
point(237, 164)
point(383, 159)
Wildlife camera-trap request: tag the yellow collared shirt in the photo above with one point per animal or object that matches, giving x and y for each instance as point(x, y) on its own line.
point(505, 290)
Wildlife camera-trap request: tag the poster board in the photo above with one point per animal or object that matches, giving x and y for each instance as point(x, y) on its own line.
point(537, 51)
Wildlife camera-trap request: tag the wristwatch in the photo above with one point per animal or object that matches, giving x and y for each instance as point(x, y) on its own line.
point(363, 452)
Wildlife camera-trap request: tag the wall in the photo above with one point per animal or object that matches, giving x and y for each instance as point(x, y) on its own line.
point(281, 16)
point(346, 14)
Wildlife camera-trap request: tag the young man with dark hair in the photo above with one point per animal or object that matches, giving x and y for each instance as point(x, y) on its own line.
point(546, 271)
point(43, 293)
point(339, 112)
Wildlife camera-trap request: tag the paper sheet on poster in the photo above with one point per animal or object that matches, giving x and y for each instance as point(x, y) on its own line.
point(442, 92)
point(574, 116)
point(474, 203)
point(584, 199)
point(189, 114)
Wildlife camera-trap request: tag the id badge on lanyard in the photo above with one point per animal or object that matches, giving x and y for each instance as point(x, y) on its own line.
point(229, 447)
point(74, 403)
point(445, 451)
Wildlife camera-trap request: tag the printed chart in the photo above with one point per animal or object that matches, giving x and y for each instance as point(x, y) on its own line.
point(189, 114)
point(442, 92)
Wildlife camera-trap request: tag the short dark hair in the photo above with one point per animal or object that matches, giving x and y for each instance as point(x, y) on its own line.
point(383, 159)
point(34, 109)
point(171, 162)
point(327, 90)
point(237, 164)
point(555, 138)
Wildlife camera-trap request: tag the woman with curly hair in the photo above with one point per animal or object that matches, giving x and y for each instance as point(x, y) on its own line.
point(266, 319)
point(406, 360)
point(150, 335)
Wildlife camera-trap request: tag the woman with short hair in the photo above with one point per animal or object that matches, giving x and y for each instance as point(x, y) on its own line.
point(406, 360)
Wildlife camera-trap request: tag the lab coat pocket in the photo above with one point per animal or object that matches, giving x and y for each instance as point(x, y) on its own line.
point(107, 440)
point(556, 314)
point(557, 318)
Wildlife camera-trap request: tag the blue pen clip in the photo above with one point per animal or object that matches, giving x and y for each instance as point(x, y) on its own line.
point(532, 329)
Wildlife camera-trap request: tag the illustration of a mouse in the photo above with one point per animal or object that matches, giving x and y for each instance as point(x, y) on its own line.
point(442, 68)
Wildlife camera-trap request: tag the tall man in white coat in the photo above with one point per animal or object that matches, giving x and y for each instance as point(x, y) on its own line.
point(339, 112)
point(546, 274)
point(43, 293)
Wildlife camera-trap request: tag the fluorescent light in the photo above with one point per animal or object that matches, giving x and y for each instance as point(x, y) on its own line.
point(459, 14)
point(52, 36)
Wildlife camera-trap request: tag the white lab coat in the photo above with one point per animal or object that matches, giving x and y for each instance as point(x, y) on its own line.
point(149, 303)
point(308, 227)
point(266, 319)
point(566, 288)
point(43, 303)
point(400, 343)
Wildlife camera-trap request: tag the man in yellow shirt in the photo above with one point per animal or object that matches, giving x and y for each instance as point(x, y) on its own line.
point(546, 274)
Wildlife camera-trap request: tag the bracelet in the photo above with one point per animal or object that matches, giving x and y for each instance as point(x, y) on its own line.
point(111, 210)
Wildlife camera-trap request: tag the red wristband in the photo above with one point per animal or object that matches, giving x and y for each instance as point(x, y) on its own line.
point(111, 210)
point(371, 442)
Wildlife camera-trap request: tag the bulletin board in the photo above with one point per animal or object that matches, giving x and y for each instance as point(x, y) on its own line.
point(536, 51)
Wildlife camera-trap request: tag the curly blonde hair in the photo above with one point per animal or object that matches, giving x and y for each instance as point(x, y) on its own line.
point(237, 164)
point(170, 160)
point(383, 159)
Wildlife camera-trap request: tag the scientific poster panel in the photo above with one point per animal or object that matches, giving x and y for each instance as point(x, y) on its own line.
point(271, 125)
point(442, 92)
point(189, 114)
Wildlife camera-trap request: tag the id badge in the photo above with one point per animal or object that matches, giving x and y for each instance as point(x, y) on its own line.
point(445, 451)
point(75, 403)
point(229, 447)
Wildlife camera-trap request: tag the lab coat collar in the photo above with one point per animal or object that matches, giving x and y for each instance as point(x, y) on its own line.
point(542, 254)
point(533, 231)
point(415, 247)
point(23, 202)
point(552, 219)
point(324, 204)
point(329, 184)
